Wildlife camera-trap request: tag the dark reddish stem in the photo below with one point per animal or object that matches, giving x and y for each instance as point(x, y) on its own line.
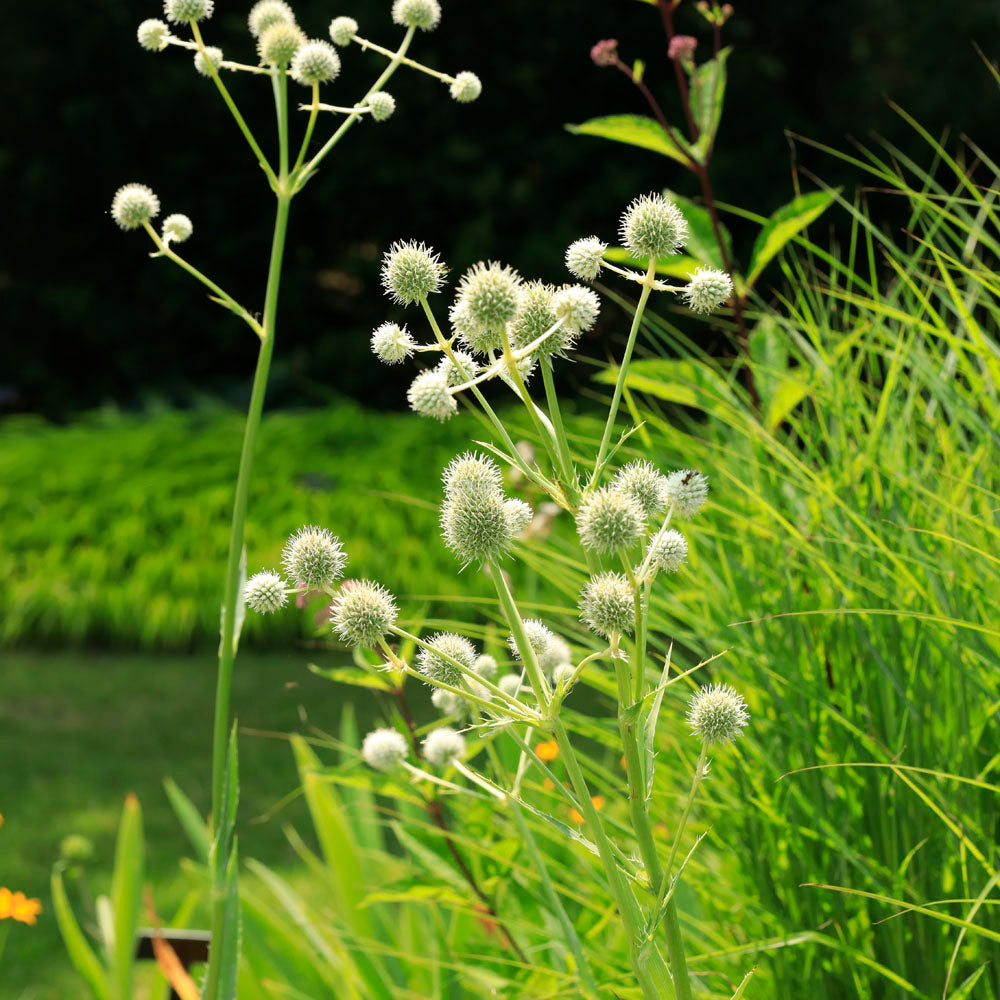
point(667, 13)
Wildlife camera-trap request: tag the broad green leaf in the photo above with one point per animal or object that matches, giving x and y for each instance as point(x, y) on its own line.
point(80, 952)
point(352, 676)
point(190, 819)
point(708, 92)
point(636, 130)
point(126, 895)
point(784, 224)
point(788, 394)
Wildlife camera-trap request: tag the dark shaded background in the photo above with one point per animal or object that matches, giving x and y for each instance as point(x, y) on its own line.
point(88, 319)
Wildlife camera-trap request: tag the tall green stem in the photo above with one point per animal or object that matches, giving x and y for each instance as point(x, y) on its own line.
point(555, 414)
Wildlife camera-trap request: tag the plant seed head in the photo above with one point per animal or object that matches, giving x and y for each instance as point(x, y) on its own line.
point(687, 490)
point(383, 749)
point(176, 228)
point(343, 30)
point(607, 604)
point(315, 62)
point(491, 293)
point(428, 395)
point(707, 289)
point(411, 271)
point(264, 13)
point(652, 226)
point(422, 14)
point(185, 11)
point(433, 665)
point(644, 483)
point(443, 746)
point(313, 556)
point(133, 205)
point(153, 35)
point(363, 612)
point(265, 592)
point(392, 343)
point(609, 520)
point(278, 43)
point(668, 552)
point(466, 87)
point(584, 258)
point(382, 104)
point(717, 714)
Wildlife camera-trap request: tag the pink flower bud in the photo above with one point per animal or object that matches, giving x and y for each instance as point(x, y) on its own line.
point(605, 53)
point(682, 48)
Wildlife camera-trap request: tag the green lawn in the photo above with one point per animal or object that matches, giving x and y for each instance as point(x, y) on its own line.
point(80, 731)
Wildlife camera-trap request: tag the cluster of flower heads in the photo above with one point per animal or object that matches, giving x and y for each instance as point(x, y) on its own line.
point(282, 44)
point(385, 749)
point(619, 517)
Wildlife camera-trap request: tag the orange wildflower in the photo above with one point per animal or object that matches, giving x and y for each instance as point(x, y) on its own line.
point(17, 906)
point(547, 751)
point(576, 817)
point(574, 813)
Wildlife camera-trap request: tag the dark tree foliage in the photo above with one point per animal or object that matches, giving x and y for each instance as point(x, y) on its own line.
point(88, 319)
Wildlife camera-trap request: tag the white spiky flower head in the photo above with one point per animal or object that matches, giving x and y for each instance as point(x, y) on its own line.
point(264, 13)
point(535, 315)
point(490, 292)
point(541, 639)
point(176, 228)
point(687, 490)
point(382, 104)
point(185, 11)
point(653, 226)
point(133, 205)
point(475, 336)
point(607, 604)
point(265, 592)
point(518, 515)
point(434, 660)
point(717, 714)
point(707, 289)
point(466, 87)
point(342, 30)
point(579, 305)
point(645, 483)
point(486, 666)
point(153, 35)
point(510, 684)
point(363, 613)
point(411, 271)
point(443, 746)
point(383, 749)
point(422, 14)
point(475, 526)
point(211, 58)
point(278, 43)
point(314, 556)
point(448, 703)
point(471, 472)
point(428, 395)
point(462, 369)
point(584, 257)
point(315, 62)
point(392, 343)
point(609, 520)
point(667, 552)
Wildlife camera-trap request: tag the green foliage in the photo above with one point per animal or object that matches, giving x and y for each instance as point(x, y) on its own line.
point(115, 528)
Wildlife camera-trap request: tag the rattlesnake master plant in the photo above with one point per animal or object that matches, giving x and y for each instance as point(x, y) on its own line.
point(505, 330)
point(278, 49)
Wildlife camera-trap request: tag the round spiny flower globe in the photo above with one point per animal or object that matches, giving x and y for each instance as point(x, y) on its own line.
point(607, 604)
point(343, 30)
point(153, 35)
point(475, 527)
point(644, 483)
point(584, 258)
point(707, 289)
point(717, 714)
point(392, 343)
point(687, 490)
point(265, 592)
point(185, 11)
point(667, 552)
point(491, 293)
point(486, 666)
point(133, 205)
point(423, 14)
point(431, 661)
point(383, 749)
point(314, 557)
point(609, 520)
point(540, 638)
point(315, 62)
point(462, 369)
point(411, 271)
point(278, 44)
point(518, 516)
point(201, 64)
point(466, 87)
point(443, 746)
point(652, 226)
point(428, 395)
point(382, 105)
point(535, 315)
point(448, 703)
point(176, 228)
point(580, 307)
point(475, 336)
point(363, 612)
point(471, 473)
point(510, 684)
point(264, 13)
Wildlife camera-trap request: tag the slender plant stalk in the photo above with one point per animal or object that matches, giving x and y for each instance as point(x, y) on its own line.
point(562, 442)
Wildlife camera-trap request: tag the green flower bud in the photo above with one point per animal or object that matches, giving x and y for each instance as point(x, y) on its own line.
point(185, 11)
point(584, 258)
point(607, 604)
point(432, 664)
point(687, 490)
point(708, 289)
point(443, 746)
point(423, 14)
point(153, 35)
point(314, 557)
point(644, 483)
point(265, 592)
point(343, 30)
point(428, 395)
point(382, 105)
point(383, 749)
point(652, 226)
point(466, 87)
point(717, 714)
point(363, 612)
point(609, 520)
point(411, 271)
point(133, 205)
point(315, 62)
point(392, 343)
point(278, 43)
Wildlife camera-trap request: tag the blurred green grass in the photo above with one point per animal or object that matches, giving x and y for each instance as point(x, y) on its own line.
point(115, 528)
